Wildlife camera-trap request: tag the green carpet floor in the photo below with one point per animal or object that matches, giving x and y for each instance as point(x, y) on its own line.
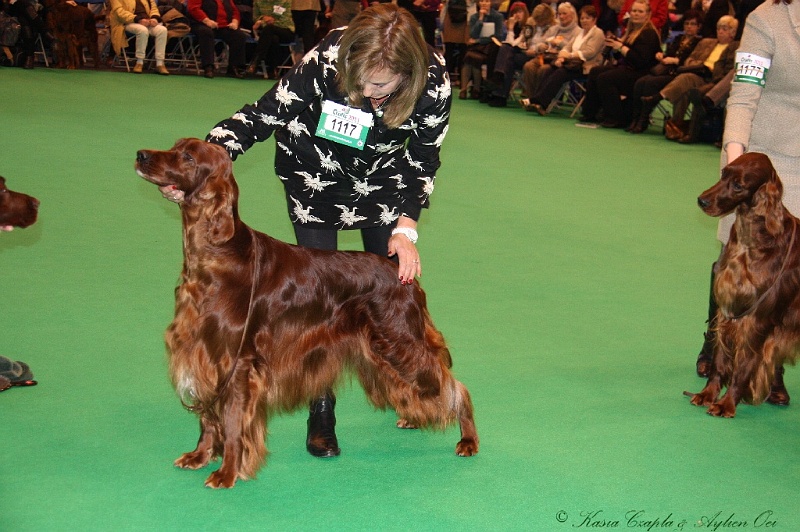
point(568, 269)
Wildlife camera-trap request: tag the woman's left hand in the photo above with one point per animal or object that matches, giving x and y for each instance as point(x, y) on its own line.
point(406, 251)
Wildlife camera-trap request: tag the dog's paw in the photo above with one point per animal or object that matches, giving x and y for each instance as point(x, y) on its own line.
point(467, 447)
point(722, 410)
point(701, 399)
point(219, 479)
point(193, 460)
point(405, 424)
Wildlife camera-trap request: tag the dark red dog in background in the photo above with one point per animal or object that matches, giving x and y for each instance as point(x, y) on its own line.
point(756, 287)
point(262, 326)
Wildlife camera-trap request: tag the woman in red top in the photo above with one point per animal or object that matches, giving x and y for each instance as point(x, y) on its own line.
point(218, 19)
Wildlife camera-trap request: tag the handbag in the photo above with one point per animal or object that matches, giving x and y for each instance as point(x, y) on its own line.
point(9, 30)
point(573, 64)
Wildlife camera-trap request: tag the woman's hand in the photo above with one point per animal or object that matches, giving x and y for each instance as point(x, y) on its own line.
point(406, 251)
point(172, 193)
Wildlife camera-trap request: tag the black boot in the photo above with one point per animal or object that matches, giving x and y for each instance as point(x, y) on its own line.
point(649, 103)
point(778, 394)
point(706, 355)
point(321, 440)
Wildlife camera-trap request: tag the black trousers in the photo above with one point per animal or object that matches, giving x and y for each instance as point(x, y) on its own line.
point(235, 39)
point(375, 239)
point(269, 49)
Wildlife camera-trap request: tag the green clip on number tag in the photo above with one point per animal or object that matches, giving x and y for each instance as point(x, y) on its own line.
point(751, 68)
point(345, 125)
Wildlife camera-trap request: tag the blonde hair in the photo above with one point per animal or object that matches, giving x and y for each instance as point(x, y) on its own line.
point(384, 37)
point(632, 32)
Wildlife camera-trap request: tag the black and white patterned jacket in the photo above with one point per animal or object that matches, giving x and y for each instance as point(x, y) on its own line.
point(330, 185)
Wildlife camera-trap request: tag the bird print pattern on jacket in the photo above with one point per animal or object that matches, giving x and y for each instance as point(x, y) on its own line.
point(331, 185)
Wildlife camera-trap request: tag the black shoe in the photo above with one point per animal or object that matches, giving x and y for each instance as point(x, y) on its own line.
point(321, 439)
point(611, 124)
point(209, 72)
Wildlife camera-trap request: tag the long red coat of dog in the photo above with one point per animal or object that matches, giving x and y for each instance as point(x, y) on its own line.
point(262, 326)
point(757, 285)
point(16, 209)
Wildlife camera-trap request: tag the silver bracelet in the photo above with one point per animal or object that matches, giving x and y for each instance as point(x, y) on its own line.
point(411, 234)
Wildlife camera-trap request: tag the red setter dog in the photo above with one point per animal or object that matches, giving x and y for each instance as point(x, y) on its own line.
point(16, 209)
point(74, 28)
point(262, 326)
point(757, 286)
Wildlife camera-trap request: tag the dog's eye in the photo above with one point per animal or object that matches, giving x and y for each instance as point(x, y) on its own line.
point(737, 187)
point(188, 157)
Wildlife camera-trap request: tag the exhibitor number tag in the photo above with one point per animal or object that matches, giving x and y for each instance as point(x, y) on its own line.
point(751, 68)
point(345, 125)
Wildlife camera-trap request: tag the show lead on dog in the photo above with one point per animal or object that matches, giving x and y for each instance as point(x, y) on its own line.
point(358, 123)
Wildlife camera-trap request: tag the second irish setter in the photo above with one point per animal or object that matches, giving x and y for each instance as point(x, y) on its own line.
point(757, 286)
point(262, 326)
point(16, 209)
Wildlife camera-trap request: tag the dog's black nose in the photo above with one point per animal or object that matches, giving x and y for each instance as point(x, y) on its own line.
point(141, 156)
point(703, 203)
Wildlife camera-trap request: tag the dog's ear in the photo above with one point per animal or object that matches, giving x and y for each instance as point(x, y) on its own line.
point(219, 203)
point(767, 202)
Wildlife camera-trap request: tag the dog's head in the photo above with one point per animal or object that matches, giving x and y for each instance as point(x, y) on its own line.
point(203, 171)
point(16, 209)
point(748, 185)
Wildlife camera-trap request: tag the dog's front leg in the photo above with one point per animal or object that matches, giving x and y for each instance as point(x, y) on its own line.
point(709, 394)
point(204, 452)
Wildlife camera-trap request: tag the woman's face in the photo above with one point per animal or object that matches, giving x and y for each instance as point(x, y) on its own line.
point(565, 16)
point(380, 83)
point(485, 5)
point(691, 27)
point(639, 13)
point(587, 22)
point(725, 34)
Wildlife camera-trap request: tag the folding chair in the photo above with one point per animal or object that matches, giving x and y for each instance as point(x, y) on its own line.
point(571, 94)
point(40, 50)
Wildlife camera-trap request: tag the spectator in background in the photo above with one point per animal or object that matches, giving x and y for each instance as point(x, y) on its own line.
point(427, 13)
point(32, 25)
point(218, 19)
point(484, 25)
point(142, 19)
point(669, 61)
point(659, 13)
point(632, 57)
point(576, 60)
point(273, 24)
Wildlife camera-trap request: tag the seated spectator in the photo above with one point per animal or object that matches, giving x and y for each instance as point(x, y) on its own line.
point(667, 68)
point(483, 26)
point(632, 57)
point(556, 39)
point(512, 53)
point(523, 48)
point(142, 19)
point(575, 61)
point(218, 19)
point(712, 11)
point(273, 26)
point(32, 25)
point(659, 13)
point(708, 64)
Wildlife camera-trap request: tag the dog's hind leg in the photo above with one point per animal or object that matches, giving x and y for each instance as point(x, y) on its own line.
point(468, 445)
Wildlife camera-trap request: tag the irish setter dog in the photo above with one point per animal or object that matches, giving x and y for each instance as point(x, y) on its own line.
point(757, 286)
point(16, 209)
point(262, 326)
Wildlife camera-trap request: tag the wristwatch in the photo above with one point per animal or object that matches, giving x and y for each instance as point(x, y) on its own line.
point(411, 234)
